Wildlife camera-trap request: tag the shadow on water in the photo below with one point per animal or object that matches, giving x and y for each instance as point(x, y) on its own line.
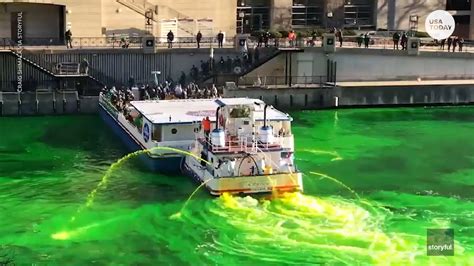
point(86, 133)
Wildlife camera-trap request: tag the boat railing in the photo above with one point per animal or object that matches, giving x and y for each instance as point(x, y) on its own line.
point(246, 143)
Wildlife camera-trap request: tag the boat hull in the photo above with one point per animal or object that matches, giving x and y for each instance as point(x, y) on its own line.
point(284, 182)
point(167, 165)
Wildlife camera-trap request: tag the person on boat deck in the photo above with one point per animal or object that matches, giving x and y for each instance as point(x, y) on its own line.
point(206, 125)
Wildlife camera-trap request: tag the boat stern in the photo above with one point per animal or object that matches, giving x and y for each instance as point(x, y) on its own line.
point(282, 182)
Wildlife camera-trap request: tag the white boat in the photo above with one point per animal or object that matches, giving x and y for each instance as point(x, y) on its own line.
point(250, 150)
point(246, 152)
point(154, 124)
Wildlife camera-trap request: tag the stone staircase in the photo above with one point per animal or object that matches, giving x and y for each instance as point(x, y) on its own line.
point(54, 75)
point(222, 78)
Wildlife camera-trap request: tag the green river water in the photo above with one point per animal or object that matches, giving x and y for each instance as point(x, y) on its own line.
point(412, 169)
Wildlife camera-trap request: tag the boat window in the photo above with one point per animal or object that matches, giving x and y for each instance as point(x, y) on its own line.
point(240, 112)
point(156, 133)
point(174, 131)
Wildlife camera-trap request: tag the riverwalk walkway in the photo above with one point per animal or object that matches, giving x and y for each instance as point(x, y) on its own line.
point(81, 43)
point(391, 83)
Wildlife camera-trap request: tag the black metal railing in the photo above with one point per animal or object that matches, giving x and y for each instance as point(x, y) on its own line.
point(136, 42)
point(118, 42)
point(283, 81)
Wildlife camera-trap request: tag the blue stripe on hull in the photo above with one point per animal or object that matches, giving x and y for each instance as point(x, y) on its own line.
point(169, 165)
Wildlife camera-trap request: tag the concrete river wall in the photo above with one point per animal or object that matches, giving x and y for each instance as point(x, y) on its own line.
point(46, 103)
point(296, 98)
point(360, 95)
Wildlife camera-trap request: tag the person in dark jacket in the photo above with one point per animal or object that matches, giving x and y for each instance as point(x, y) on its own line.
point(366, 40)
point(68, 36)
point(220, 39)
point(443, 41)
point(404, 41)
point(450, 42)
point(266, 37)
point(455, 43)
point(461, 43)
point(339, 37)
point(198, 38)
point(360, 40)
point(396, 40)
point(170, 39)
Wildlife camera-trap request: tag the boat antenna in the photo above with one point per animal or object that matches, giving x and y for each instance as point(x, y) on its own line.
point(217, 117)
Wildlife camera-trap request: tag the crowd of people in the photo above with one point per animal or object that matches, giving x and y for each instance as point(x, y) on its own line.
point(168, 90)
point(453, 42)
point(223, 65)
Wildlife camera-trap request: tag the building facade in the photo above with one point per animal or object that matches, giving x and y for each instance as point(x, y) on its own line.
point(49, 19)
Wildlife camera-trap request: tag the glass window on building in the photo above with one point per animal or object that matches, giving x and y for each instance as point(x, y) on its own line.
point(458, 4)
point(359, 13)
point(307, 13)
point(253, 15)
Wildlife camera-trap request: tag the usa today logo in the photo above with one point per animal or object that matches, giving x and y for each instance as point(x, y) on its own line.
point(439, 24)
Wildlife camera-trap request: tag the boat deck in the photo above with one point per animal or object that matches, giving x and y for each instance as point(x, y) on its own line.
point(240, 146)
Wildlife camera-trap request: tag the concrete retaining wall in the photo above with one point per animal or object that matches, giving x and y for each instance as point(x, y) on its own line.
point(420, 95)
point(46, 103)
point(288, 99)
point(358, 64)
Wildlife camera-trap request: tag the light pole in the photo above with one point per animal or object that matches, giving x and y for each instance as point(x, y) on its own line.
point(241, 16)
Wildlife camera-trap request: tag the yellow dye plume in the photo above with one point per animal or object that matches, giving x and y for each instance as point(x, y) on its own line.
point(103, 182)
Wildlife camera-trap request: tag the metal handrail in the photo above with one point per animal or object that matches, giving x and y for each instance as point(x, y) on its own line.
point(117, 42)
point(294, 81)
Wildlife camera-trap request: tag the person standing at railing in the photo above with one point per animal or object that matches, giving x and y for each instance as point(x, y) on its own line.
point(404, 42)
point(360, 40)
point(366, 40)
point(131, 81)
point(84, 65)
point(206, 125)
point(220, 39)
point(292, 38)
point(170, 37)
point(455, 43)
point(339, 37)
point(443, 41)
point(182, 79)
point(396, 40)
point(461, 43)
point(260, 39)
point(450, 41)
point(198, 38)
point(266, 37)
point(68, 36)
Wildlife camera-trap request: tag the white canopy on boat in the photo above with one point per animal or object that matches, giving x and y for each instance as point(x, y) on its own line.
point(194, 110)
